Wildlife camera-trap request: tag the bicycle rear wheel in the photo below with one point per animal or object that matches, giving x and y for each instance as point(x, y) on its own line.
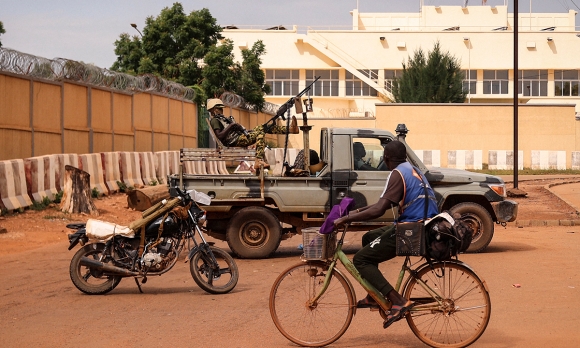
point(306, 324)
point(465, 308)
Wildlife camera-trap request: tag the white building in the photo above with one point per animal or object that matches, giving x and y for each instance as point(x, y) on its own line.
point(358, 64)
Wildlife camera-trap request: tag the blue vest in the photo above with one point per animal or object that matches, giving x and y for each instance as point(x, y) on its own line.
point(413, 206)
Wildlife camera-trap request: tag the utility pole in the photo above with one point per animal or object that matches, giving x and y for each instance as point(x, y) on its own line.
point(516, 87)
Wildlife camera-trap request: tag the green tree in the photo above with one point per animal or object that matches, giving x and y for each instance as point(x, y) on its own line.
point(220, 70)
point(171, 46)
point(436, 78)
point(2, 31)
point(129, 54)
point(187, 49)
point(252, 80)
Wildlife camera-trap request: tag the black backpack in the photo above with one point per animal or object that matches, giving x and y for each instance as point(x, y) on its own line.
point(463, 233)
point(445, 240)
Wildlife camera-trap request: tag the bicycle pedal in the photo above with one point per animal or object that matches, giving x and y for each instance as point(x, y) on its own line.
point(375, 309)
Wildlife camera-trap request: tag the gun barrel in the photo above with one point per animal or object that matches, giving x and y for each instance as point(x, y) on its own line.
point(282, 110)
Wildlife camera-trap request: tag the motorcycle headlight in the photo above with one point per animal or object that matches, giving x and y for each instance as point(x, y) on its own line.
point(499, 189)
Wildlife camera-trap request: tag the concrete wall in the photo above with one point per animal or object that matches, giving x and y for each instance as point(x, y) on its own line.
point(41, 117)
point(485, 127)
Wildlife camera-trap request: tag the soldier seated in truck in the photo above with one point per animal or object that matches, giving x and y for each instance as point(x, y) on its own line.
point(231, 133)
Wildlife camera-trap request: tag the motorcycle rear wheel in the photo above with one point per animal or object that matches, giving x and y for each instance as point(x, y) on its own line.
point(87, 280)
point(214, 283)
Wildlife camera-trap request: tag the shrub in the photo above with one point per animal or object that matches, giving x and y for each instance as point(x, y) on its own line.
point(122, 186)
point(58, 196)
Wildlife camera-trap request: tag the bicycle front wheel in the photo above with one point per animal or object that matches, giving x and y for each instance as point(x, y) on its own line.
point(458, 315)
point(303, 322)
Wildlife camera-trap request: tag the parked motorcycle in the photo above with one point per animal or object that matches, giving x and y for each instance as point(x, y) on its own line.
point(150, 247)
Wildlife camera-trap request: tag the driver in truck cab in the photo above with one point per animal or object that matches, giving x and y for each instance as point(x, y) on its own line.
point(231, 133)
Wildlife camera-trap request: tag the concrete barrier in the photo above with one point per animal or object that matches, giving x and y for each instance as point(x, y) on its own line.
point(211, 167)
point(163, 161)
point(216, 167)
point(41, 177)
point(195, 167)
point(464, 159)
point(62, 160)
point(575, 160)
point(504, 159)
point(147, 162)
point(430, 158)
point(13, 192)
point(548, 159)
point(130, 169)
point(112, 170)
point(92, 164)
point(222, 167)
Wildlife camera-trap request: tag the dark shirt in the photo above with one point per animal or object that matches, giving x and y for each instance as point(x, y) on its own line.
point(229, 139)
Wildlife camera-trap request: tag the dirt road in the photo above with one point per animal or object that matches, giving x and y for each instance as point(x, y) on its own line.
point(40, 307)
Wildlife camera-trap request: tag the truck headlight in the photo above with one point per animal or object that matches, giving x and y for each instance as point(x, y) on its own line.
point(499, 189)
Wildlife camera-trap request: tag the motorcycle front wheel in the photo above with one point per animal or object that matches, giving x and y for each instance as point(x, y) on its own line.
point(214, 280)
point(89, 280)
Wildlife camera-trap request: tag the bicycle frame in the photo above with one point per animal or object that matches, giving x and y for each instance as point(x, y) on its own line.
point(384, 303)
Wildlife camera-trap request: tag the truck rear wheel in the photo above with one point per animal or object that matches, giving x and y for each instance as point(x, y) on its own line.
point(481, 222)
point(254, 233)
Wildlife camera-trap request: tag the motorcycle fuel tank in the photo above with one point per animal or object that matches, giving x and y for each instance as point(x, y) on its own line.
point(170, 225)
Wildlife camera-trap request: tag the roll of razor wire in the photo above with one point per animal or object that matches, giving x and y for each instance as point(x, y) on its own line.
point(235, 101)
point(270, 108)
point(66, 69)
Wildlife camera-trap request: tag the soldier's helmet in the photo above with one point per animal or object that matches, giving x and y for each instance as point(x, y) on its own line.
point(214, 103)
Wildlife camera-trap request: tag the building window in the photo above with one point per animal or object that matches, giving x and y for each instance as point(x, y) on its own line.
point(470, 81)
point(356, 87)
point(533, 83)
point(390, 76)
point(326, 86)
point(495, 82)
point(283, 81)
point(566, 82)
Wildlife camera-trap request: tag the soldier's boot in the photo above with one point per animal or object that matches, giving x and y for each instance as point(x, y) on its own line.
point(294, 126)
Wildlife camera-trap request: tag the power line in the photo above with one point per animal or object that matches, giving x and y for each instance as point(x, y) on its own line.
point(564, 5)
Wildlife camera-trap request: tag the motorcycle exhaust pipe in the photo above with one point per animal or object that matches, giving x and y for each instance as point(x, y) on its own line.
point(85, 261)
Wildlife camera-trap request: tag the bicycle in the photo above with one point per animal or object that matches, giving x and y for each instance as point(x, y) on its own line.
point(312, 303)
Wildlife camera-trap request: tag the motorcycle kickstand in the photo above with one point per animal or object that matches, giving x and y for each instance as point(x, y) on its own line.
point(138, 285)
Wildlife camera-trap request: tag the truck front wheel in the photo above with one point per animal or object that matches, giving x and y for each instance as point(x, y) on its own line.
point(254, 233)
point(481, 222)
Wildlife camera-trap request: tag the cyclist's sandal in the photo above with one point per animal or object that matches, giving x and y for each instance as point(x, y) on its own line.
point(367, 302)
point(397, 313)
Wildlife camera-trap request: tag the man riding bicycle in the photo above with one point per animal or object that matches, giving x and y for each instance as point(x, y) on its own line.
point(404, 188)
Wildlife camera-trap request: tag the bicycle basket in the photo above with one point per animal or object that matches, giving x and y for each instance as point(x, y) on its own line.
point(318, 246)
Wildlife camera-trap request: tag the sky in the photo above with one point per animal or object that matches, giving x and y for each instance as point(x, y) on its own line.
point(85, 31)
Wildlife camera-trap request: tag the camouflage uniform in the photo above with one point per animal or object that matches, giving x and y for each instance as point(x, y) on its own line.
point(255, 136)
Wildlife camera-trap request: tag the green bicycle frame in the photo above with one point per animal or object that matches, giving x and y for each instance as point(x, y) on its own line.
point(373, 292)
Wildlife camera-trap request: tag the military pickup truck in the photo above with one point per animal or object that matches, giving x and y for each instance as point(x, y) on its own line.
point(254, 213)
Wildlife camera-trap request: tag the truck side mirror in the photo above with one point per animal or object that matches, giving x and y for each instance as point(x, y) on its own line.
point(401, 129)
